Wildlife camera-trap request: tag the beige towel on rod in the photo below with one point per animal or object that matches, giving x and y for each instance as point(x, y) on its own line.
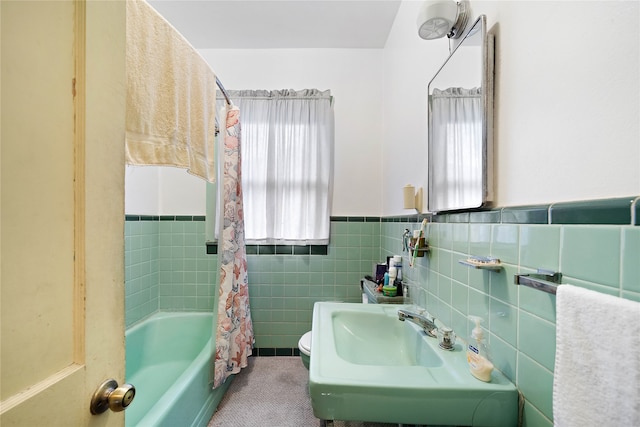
point(597, 368)
point(171, 94)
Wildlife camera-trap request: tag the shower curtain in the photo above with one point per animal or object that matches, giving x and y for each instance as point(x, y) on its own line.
point(234, 332)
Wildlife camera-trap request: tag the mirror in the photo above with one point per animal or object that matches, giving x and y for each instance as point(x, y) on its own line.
point(460, 112)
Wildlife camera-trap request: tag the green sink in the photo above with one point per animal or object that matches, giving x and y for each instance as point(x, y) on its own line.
point(366, 365)
point(357, 339)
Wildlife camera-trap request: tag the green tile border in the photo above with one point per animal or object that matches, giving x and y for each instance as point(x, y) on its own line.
point(607, 211)
point(302, 250)
point(526, 215)
point(485, 217)
point(266, 249)
point(319, 250)
point(275, 351)
point(141, 218)
point(615, 211)
point(355, 219)
point(212, 249)
point(188, 218)
point(460, 217)
point(618, 211)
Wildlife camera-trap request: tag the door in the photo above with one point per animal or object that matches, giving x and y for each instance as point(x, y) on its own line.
point(62, 209)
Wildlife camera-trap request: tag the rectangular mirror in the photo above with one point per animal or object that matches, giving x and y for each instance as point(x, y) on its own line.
point(460, 110)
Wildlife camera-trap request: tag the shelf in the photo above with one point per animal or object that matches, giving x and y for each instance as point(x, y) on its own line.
point(375, 297)
point(483, 263)
point(425, 249)
point(421, 251)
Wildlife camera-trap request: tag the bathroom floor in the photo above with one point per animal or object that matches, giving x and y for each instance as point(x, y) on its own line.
point(272, 391)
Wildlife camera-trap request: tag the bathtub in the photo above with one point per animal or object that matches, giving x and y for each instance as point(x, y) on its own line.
point(168, 357)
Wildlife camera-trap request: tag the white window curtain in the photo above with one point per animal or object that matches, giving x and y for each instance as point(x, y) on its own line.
point(458, 112)
point(287, 165)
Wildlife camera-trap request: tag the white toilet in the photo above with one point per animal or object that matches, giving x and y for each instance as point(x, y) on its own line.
point(304, 345)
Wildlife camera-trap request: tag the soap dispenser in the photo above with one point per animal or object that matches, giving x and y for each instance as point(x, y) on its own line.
point(478, 353)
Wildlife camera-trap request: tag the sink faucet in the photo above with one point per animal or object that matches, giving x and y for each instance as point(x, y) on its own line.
point(426, 323)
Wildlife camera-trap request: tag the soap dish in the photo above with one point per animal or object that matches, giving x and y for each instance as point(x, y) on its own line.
point(486, 263)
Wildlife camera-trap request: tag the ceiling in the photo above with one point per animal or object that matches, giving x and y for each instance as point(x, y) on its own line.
point(271, 24)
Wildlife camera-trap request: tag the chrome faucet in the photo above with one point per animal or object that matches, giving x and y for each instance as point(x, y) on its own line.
point(426, 323)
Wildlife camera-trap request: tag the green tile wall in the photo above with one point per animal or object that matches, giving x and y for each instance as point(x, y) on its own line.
point(602, 255)
point(141, 269)
point(167, 268)
point(186, 272)
point(283, 288)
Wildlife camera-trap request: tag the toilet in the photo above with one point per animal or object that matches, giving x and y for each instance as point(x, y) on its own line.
point(304, 345)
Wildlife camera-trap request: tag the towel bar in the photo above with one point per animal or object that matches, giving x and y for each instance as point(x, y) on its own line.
point(547, 281)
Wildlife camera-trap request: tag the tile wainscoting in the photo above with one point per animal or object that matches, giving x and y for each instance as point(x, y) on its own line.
point(595, 244)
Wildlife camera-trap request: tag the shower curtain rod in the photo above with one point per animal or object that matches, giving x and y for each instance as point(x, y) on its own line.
point(226, 96)
point(223, 90)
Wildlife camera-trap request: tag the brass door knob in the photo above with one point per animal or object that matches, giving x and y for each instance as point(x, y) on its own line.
point(110, 396)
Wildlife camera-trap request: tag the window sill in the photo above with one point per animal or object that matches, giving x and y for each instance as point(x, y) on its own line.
point(212, 249)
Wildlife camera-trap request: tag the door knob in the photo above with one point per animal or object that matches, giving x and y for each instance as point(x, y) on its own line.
point(110, 396)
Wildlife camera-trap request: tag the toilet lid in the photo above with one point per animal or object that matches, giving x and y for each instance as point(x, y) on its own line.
point(305, 342)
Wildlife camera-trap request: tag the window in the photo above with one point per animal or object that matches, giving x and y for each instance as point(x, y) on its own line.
point(287, 165)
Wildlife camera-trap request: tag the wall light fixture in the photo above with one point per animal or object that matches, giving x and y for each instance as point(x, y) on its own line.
point(439, 18)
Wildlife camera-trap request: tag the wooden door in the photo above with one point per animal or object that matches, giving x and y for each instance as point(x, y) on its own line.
point(62, 209)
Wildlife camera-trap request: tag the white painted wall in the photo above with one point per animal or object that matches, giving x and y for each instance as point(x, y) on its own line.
point(567, 107)
point(410, 63)
point(355, 78)
point(156, 190)
point(141, 190)
point(567, 101)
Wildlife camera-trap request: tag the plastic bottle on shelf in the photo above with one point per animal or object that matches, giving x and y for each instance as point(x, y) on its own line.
point(397, 262)
point(393, 274)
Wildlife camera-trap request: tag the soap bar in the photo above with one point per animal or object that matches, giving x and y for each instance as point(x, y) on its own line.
point(482, 261)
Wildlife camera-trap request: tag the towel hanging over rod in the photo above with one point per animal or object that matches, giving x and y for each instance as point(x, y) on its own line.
point(170, 97)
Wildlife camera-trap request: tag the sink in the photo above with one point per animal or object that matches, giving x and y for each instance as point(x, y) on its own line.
point(357, 340)
point(366, 365)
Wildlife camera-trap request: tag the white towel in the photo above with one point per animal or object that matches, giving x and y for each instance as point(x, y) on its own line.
point(171, 94)
point(597, 367)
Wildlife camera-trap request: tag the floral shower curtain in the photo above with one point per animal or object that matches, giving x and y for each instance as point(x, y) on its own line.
point(234, 332)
